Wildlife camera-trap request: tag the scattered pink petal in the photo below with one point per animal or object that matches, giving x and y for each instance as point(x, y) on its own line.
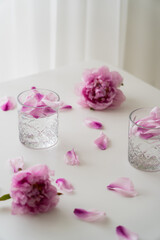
point(125, 234)
point(7, 103)
point(89, 216)
point(71, 158)
point(124, 186)
point(93, 123)
point(102, 142)
point(65, 107)
point(17, 164)
point(64, 185)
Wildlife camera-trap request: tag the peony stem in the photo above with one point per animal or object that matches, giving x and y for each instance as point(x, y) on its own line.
point(5, 197)
point(58, 193)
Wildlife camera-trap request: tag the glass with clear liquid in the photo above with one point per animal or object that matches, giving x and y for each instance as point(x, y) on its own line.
point(143, 142)
point(38, 118)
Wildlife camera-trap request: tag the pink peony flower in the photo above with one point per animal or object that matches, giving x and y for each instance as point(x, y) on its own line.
point(99, 89)
point(32, 191)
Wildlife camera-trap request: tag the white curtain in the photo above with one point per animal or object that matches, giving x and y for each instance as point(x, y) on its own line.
point(88, 29)
point(27, 37)
point(37, 35)
point(142, 49)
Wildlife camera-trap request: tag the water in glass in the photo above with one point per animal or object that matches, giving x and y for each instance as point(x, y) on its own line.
point(38, 132)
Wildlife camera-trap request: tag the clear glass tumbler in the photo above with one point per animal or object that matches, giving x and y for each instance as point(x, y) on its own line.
point(38, 118)
point(144, 141)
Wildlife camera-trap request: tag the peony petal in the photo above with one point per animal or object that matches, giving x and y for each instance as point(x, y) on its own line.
point(117, 79)
point(71, 158)
point(29, 104)
point(124, 186)
point(118, 99)
point(17, 164)
point(148, 126)
point(65, 107)
point(50, 97)
point(102, 142)
point(125, 234)
point(155, 113)
point(53, 104)
point(93, 123)
point(7, 103)
point(89, 216)
point(42, 112)
point(38, 105)
point(64, 185)
point(39, 96)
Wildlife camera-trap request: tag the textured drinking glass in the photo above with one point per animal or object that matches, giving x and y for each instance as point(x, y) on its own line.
point(143, 142)
point(38, 118)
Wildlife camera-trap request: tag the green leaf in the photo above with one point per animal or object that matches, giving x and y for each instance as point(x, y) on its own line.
point(5, 197)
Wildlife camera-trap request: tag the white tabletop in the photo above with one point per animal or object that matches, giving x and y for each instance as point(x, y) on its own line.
point(97, 169)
